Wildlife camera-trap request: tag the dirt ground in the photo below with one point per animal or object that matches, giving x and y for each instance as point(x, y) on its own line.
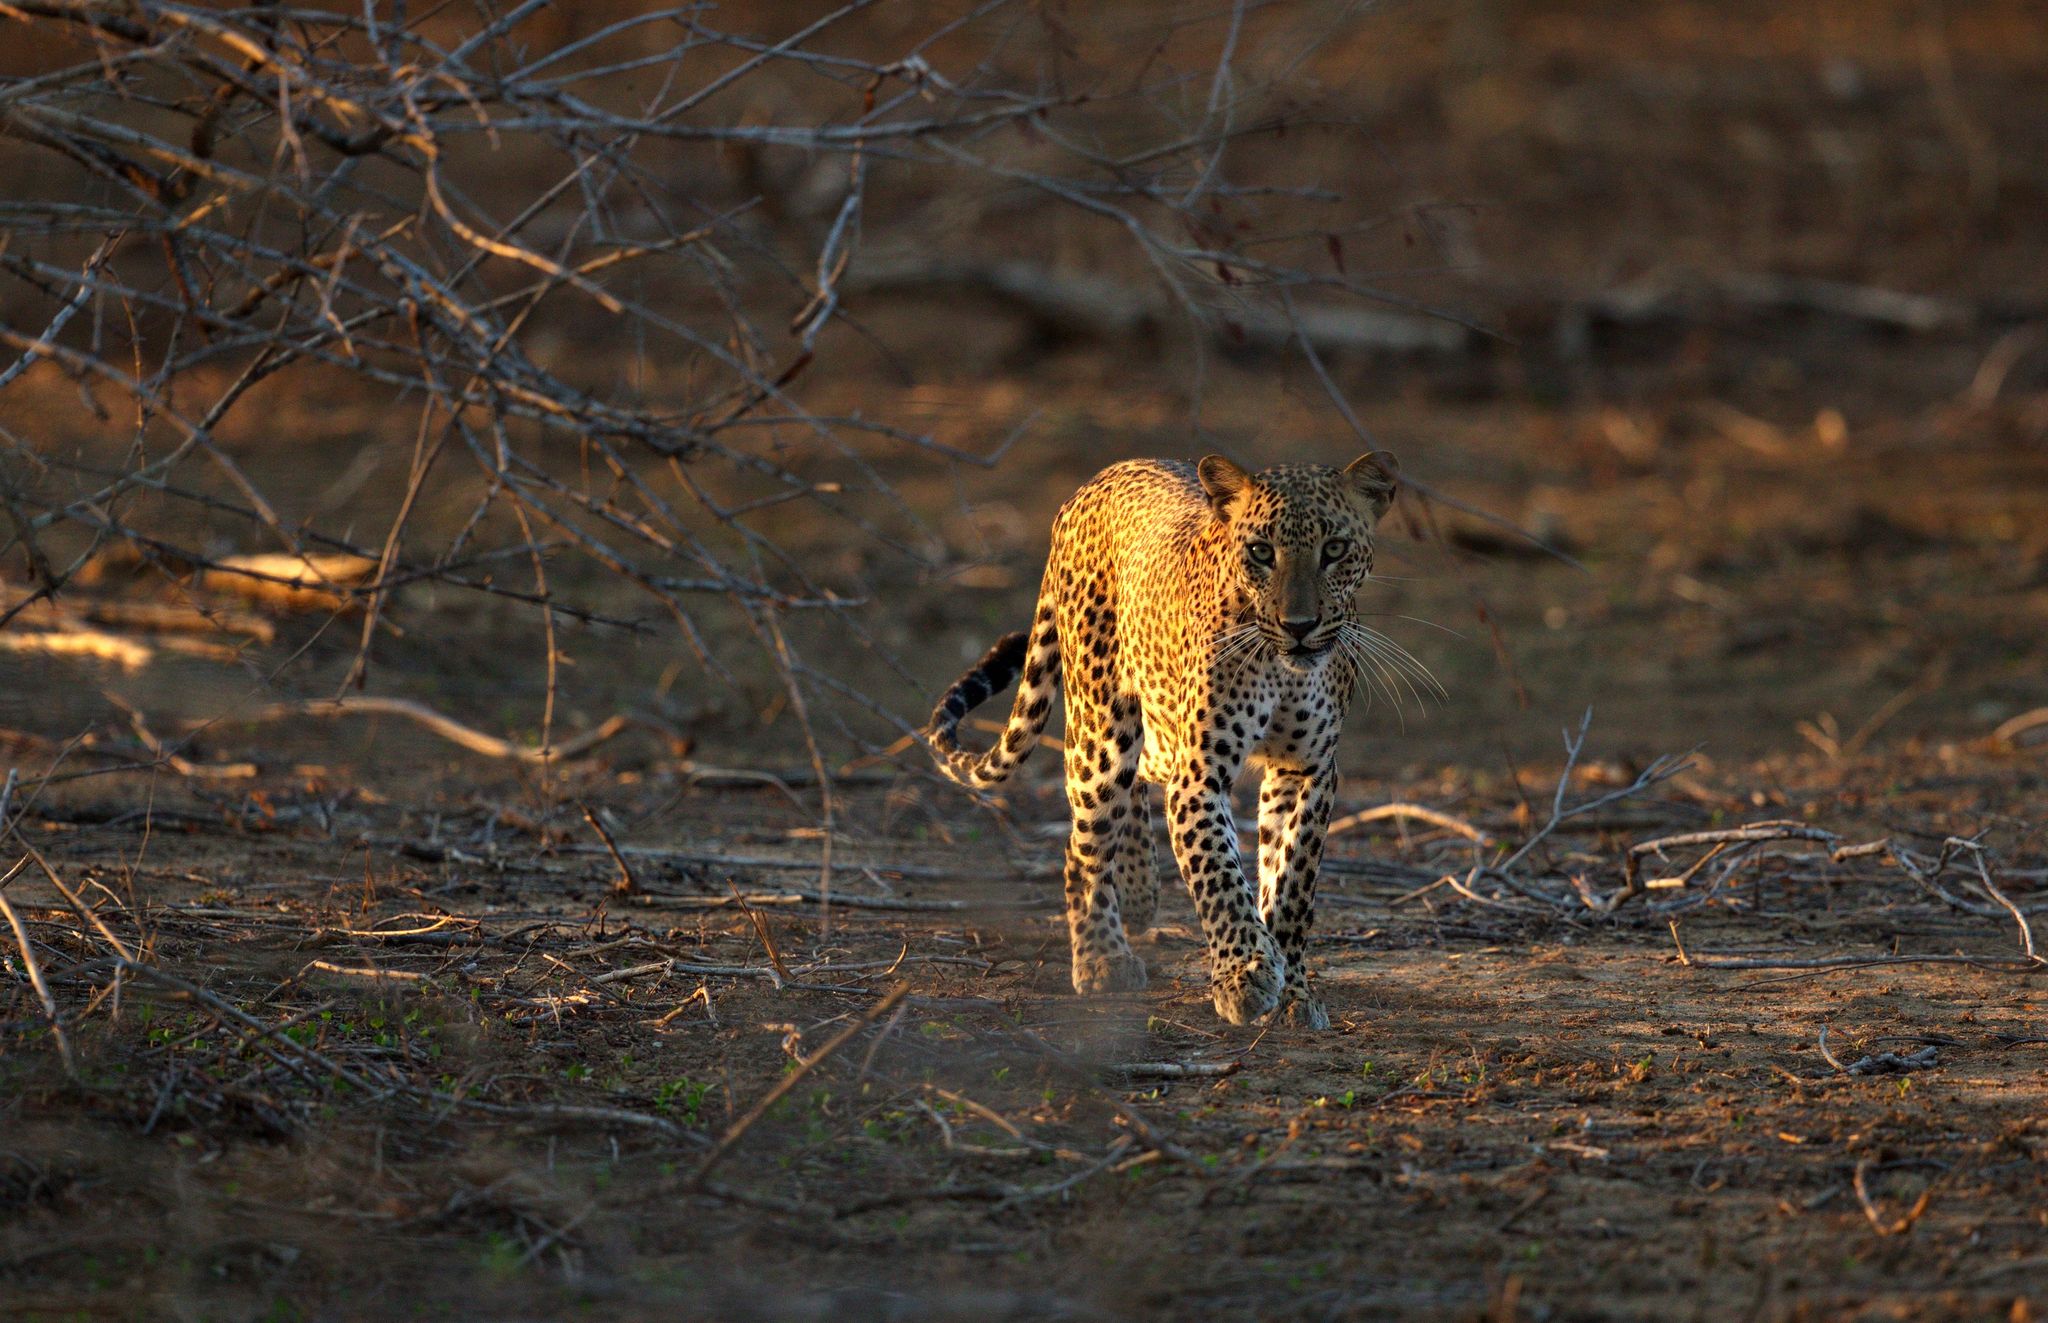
point(509, 1031)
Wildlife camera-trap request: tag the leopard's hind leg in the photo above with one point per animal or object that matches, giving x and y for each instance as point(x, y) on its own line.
point(1102, 766)
point(1132, 870)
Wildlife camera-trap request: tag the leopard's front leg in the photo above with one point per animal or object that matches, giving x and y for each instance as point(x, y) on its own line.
point(1247, 971)
point(1294, 816)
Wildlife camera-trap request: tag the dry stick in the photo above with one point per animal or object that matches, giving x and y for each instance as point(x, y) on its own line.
point(827, 801)
point(2009, 732)
point(1115, 1154)
point(387, 975)
point(85, 912)
point(986, 1113)
point(35, 978)
point(1877, 1222)
point(1859, 962)
point(660, 967)
point(1416, 811)
point(1180, 1070)
point(954, 1146)
point(446, 727)
point(1828, 1056)
point(627, 885)
point(1720, 840)
point(1662, 769)
point(739, 1128)
point(1991, 889)
point(761, 928)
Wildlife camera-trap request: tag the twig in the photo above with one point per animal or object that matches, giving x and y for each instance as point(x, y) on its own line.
point(1662, 769)
point(627, 884)
point(1701, 961)
point(1898, 1227)
point(739, 1128)
point(761, 930)
point(1991, 889)
point(1720, 839)
point(35, 978)
point(446, 727)
point(2010, 730)
point(352, 971)
point(1179, 1070)
point(1417, 812)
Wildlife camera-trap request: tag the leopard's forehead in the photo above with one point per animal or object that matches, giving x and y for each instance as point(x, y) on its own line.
point(1299, 502)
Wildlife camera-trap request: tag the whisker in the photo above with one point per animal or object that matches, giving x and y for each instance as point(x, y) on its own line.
point(1368, 668)
point(1377, 685)
point(1391, 667)
point(1226, 637)
point(1250, 651)
point(1395, 656)
point(1399, 656)
point(1396, 615)
point(1230, 641)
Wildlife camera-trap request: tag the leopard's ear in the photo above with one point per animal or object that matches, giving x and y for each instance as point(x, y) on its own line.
point(1375, 477)
point(1223, 480)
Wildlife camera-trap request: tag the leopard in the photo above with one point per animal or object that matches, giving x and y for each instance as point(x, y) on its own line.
point(1201, 619)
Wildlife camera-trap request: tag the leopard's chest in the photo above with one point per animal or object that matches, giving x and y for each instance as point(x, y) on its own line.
point(1269, 716)
point(1299, 719)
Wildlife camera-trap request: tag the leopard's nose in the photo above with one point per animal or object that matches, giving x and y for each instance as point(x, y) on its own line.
point(1300, 629)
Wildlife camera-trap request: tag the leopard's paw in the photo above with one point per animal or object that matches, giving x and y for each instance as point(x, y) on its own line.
point(1304, 1011)
point(1245, 989)
point(1119, 971)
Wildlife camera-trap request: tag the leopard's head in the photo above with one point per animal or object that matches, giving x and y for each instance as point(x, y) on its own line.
point(1298, 543)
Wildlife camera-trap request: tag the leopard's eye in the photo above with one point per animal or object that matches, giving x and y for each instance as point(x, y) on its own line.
point(1260, 552)
point(1336, 549)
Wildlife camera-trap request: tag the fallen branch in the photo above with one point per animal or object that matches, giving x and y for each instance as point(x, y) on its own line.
point(1417, 812)
point(446, 727)
point(1898, 1227)
point(1699, 961)
point(1662, 769)
point(1179, 1070)
point(34, 969)
point(2009, 732)
point(739, 1128)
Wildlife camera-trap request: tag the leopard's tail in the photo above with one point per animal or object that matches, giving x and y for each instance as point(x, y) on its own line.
point(1036, 654)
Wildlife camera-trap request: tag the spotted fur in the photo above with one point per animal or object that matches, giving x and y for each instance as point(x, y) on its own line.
point(1200, 620)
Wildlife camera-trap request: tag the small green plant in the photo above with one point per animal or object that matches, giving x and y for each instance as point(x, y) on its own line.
point(501, 1254)
point(684, 1097)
